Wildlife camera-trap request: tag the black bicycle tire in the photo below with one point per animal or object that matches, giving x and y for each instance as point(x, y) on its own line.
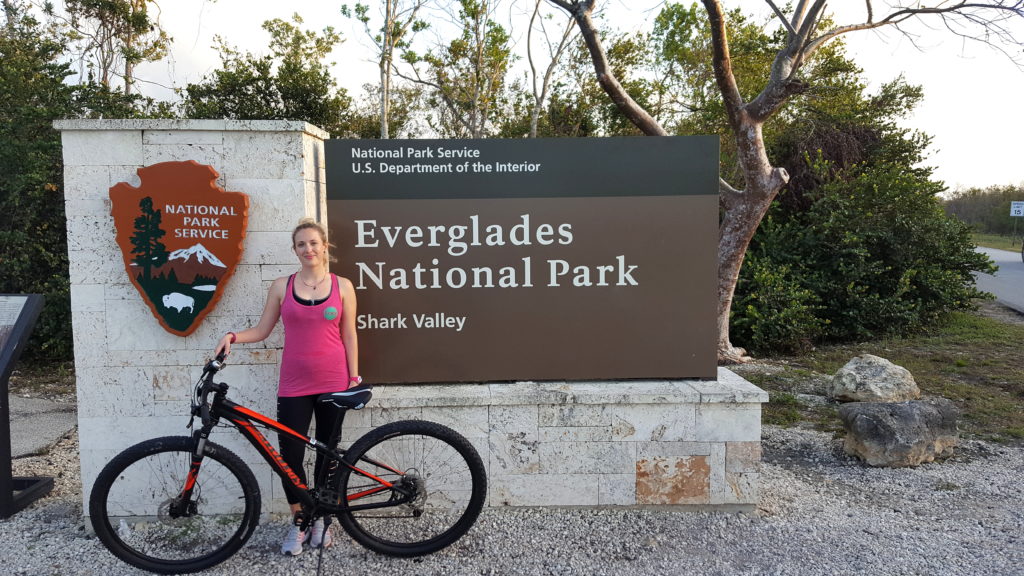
point(458, 529)
point(108, 535)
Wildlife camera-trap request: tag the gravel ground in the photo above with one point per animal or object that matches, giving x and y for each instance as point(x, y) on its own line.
point(820, 513)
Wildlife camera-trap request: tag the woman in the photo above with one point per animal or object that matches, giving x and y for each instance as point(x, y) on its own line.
point(321, 354)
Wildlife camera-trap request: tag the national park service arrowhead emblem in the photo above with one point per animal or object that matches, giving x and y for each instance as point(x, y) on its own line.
point(181, 238)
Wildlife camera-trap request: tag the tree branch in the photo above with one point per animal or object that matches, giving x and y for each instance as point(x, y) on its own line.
point(782, 18)
point(801, 43)
point(989, 16)
point(539, 96)
point(722, 64)
point(581, 12)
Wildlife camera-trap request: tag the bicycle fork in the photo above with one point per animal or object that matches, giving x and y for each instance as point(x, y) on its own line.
point(183, 505)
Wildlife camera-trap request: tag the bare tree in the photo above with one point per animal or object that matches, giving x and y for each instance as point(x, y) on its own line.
point(465, 78)
point(743, 209)
point(555, 52)
point(114, 34)
point(11, 13)
point(400, 21)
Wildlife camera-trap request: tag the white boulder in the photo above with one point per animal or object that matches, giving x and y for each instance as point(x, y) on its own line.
point(868, 378)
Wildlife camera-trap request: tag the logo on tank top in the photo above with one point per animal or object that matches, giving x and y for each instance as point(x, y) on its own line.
point(331, 313)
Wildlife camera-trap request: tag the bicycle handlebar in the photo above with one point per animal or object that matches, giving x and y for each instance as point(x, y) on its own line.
point(207, 385)
point(215, 365)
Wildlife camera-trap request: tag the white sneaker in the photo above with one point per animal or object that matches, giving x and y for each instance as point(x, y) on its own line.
point(319, 537)
point(292, 545)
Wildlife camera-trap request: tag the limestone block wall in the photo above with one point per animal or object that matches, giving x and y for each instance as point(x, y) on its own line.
point(134, 378)
point(657, 443)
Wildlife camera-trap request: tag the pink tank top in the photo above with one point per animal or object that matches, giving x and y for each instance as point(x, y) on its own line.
point(314, 360)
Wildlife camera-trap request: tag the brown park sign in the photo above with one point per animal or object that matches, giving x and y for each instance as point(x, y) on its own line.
point(181, 237)
point(529, 259)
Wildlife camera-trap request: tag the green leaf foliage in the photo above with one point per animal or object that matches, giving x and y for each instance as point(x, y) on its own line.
point(774, 310)
point(577, 106)
point(466, 77)
point(33, 241)
point(292, 82)
point(860, 225)
point(874, 254)
point(987, 210)
point(33, 230)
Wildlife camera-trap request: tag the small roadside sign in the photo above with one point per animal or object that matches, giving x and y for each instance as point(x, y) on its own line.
point(1016, 208)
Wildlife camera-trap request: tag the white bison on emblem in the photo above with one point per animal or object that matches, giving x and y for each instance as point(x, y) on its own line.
point(179, 301)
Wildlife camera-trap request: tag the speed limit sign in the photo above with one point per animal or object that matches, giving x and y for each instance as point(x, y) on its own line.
point(1016, 208)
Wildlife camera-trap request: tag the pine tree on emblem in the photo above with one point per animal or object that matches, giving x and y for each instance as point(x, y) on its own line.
point(146, 245)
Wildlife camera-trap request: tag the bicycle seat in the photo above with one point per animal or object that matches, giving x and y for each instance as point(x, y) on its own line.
point(354, 398)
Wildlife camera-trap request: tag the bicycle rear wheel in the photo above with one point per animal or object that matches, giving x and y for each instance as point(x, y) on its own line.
point(437, 464)
point(131, 506)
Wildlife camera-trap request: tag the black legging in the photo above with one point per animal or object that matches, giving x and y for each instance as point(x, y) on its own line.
point(296, 412)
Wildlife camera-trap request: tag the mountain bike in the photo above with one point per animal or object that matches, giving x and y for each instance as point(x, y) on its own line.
point(183, 504)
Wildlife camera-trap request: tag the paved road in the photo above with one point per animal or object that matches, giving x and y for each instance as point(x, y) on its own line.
point(37, 423)
point(1008, 282)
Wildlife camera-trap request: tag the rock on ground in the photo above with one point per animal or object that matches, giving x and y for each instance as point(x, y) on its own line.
point(899, 434)
point(869, 378)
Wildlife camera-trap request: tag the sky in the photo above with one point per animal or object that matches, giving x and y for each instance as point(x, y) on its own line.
point(972, 93)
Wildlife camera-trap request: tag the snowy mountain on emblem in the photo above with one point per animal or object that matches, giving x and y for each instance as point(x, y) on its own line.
point(203, 256)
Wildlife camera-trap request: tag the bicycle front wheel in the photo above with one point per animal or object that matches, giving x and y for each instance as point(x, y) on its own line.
point(434, 463)
point(137, 512)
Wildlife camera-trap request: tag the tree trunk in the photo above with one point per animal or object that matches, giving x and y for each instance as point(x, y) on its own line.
point(12, 15)
point(129, 66)
point(537, 101)
point(742, 212)
point(130, 39)
point(540, 96)
point(385, 66)
point(385, 95)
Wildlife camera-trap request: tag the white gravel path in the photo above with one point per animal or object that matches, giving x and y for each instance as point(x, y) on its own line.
point(820, 513)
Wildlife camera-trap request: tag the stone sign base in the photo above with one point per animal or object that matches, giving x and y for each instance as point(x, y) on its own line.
point(674, 443)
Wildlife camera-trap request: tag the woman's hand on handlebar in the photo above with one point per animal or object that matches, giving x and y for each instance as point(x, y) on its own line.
point(224, 346)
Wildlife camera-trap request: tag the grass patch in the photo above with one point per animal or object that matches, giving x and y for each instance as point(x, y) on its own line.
point(41, 379)
point(783, 409)
point(997, 241)
point(970, 359)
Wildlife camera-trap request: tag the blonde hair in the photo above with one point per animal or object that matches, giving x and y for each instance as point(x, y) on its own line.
point(309, 223)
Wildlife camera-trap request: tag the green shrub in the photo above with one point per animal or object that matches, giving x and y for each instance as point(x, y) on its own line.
point(772, 311)
point(884, 258)
point(33, 241)
point(875, 251)
point(33, 229)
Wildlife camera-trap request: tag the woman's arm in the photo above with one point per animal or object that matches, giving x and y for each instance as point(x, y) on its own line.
point(348, 326)
point(259, 332)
